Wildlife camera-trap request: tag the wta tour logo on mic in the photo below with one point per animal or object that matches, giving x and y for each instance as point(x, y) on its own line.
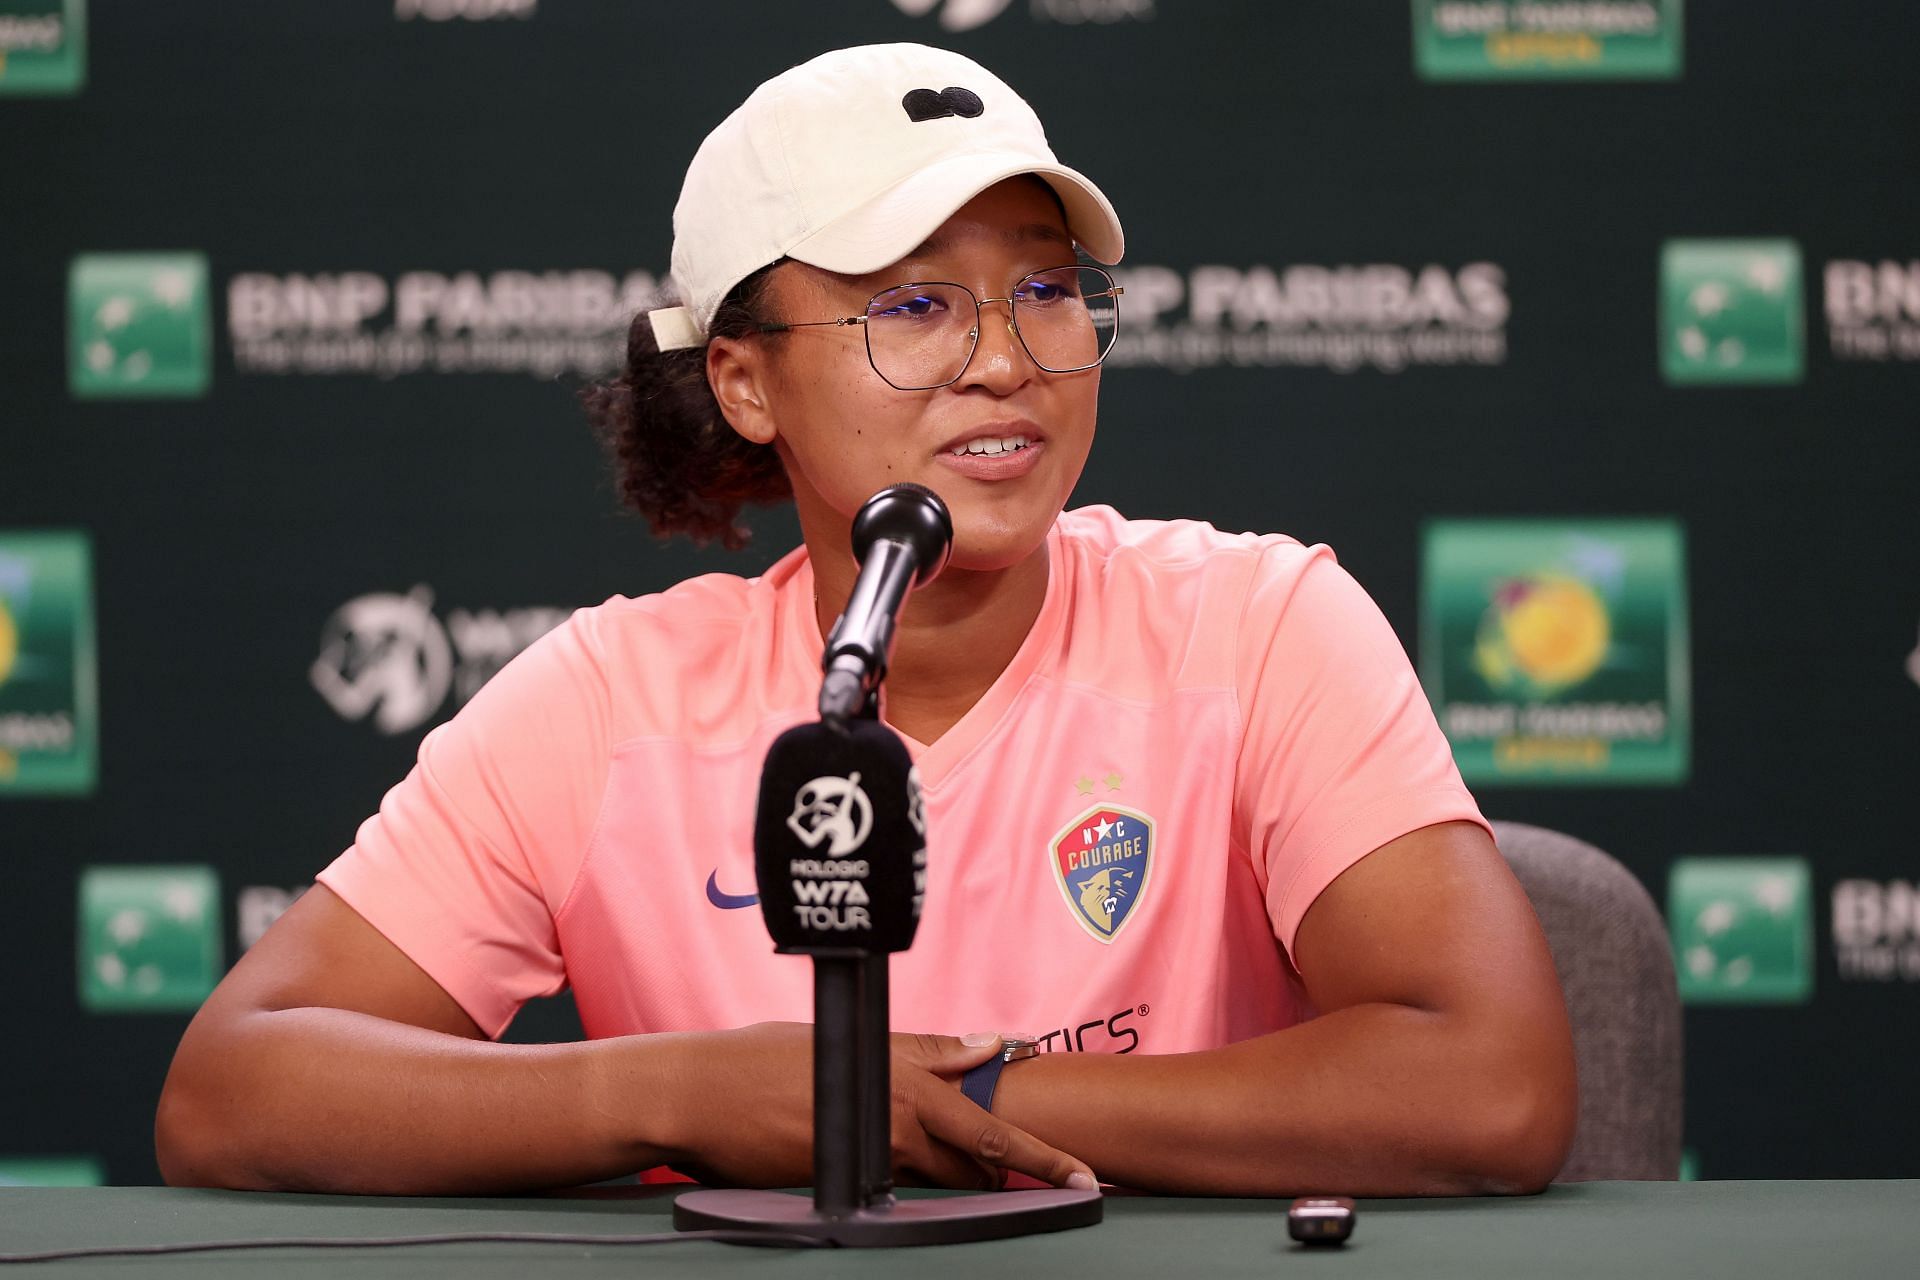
point(829, 893)
point(840, 851)
point(835, 810)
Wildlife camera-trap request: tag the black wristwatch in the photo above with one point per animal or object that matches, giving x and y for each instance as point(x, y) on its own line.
point(978, 1083)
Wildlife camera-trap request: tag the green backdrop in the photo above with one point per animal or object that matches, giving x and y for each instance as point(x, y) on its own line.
point(1586, 334)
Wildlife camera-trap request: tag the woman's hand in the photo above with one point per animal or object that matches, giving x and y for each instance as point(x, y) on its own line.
point(747, 1114)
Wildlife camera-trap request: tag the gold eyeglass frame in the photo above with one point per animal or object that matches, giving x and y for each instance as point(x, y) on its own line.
point(1112, 290)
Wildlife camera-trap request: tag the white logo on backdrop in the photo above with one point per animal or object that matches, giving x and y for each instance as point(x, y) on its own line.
point(1876, 930)
point(1341, 317)
point(955, 15)
point(965, 15)
point(1584, 17)
point(1873, 310)
point(545, 323)
point(832, 809)
point(463, 10)
point(388, 656)
point(258, 906)
point(31, 33)
point(1913, 663)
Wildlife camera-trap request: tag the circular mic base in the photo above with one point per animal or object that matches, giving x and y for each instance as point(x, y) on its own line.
point(994, 1215)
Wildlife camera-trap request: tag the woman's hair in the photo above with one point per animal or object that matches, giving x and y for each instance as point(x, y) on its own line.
point(676, 460)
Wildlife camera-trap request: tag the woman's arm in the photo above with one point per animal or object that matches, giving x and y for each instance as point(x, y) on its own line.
point(328, 1061)
point(1441, 1064)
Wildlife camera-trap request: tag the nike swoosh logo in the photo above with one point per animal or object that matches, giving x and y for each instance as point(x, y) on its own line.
point(728, 901)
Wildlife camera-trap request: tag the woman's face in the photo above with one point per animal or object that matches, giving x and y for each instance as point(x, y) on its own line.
point(844, 432)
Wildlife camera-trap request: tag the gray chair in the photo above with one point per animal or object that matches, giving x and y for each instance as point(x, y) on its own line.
point(1610, 947)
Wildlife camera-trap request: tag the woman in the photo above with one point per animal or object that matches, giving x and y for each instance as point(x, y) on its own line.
point(1191, 821)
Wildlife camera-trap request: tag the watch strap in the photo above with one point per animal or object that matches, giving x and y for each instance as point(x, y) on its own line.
point(978, 1084)
point(979, 1081)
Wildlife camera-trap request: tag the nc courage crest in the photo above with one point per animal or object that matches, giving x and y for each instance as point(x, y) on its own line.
point(1101, 862)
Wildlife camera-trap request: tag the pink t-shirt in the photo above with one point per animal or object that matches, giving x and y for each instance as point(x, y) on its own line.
point(1199, 734)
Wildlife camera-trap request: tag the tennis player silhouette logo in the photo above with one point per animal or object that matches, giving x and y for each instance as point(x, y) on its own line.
point(834, 810)
point(385, 655)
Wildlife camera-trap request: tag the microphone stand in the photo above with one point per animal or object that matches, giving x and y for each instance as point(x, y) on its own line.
point(852, 1086)
point(852, 1075)
point(853, 1202)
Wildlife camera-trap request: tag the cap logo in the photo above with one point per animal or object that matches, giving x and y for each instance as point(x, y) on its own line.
point(925, 104)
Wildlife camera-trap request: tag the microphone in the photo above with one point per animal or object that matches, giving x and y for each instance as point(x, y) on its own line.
point(840, 841)
point(840, 859)
point(902, 538)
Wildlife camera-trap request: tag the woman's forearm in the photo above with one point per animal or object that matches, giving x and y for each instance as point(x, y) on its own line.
point(1374, 1099)
point(319, 1099)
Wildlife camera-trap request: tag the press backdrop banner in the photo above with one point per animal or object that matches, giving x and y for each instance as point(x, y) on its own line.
point(1587, 334)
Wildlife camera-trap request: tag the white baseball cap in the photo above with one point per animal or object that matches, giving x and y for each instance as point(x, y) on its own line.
point(848, 162)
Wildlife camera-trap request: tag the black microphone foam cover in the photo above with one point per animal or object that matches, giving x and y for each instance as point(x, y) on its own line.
point(839, 841)
point(909, 513)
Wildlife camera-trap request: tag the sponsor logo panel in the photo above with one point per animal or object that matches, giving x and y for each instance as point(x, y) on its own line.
point(52, 1171)
point(149, 938)
point(1555, 651)
point(138, 326)
point(43, 46)
point(1547, 39)
point(1731, 312)
point(1742, 930)
point(1344, 317)
point(49, 720)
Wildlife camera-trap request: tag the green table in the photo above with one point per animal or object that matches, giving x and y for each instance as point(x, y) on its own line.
point(1749, 1230)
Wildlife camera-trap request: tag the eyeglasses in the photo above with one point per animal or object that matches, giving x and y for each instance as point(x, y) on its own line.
point(921, 336)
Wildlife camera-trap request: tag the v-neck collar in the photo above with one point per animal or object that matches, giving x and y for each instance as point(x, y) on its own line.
point(800, 637)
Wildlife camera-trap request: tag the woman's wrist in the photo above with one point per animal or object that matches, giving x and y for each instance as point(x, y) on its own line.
point(980, 1083)
point(1015, 1089)
point(651, 1087)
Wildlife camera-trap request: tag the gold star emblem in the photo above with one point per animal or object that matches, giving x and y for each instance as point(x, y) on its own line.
point(1113, 781)
point(1084, 786)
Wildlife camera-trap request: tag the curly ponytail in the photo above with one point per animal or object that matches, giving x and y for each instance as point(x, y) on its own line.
point(676, 460)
